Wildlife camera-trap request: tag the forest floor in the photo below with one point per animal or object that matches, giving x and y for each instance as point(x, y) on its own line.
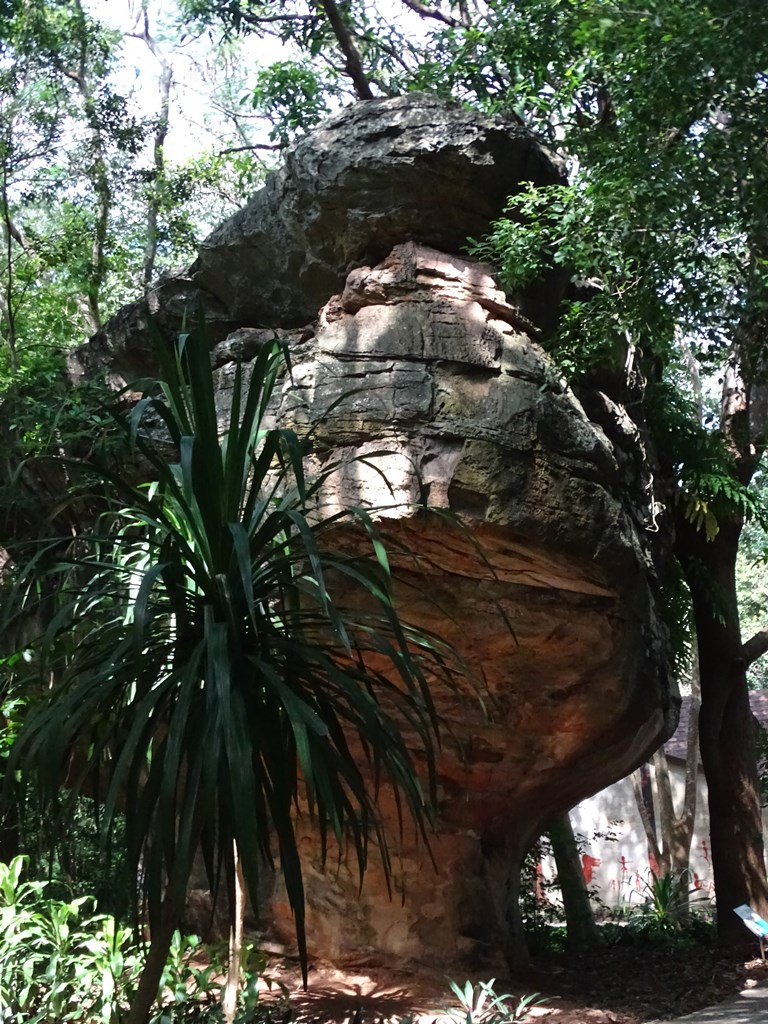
point(613, 985)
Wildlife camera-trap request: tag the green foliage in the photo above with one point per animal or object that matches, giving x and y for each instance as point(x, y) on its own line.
point(665, 901)
point(190, 986)
point(673, 914)
point(78, 178)
point(752, 588)
point(540, 906)
point(390, 53)
point(56, 962)
point(660, 111)
point(42, 414)
point(59, 961)
point(588, 230)
point(75, 861)
point(211, 640)
point(761, 749)
point(292, 97)
point(704, 493)
point(631, 929)
point(478, 1003)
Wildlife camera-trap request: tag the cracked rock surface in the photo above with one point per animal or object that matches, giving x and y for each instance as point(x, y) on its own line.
point(381, 172)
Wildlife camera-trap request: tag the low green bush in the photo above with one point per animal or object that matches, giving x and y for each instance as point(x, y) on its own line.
point(479, 1003)
point(60, 961)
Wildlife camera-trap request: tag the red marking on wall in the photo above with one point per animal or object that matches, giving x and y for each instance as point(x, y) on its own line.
point(588, 864)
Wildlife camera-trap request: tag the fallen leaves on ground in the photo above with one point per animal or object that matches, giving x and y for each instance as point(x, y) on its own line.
point(612, 985)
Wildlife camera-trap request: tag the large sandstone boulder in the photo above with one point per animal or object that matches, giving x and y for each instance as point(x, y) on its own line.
point(547, 589)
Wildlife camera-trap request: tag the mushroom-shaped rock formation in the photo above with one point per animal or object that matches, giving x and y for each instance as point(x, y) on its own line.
point(379, 173)
point(548, 590)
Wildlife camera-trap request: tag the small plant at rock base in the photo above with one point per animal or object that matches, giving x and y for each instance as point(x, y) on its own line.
point(57, 963)
point(666, 917)
point(666, 900)
point(480, 1004)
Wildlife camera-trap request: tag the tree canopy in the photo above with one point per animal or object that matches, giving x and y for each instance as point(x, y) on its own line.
point(660, 110)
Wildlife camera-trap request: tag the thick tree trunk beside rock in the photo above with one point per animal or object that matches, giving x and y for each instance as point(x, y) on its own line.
point(726, 727)
point(579, 919)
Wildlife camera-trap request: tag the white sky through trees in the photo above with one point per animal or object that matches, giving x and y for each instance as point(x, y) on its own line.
point(201, 67)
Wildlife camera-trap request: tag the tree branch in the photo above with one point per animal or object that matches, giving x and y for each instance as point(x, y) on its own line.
point(354, 65)
point(432, 12)
point(755, 647)
point(158, 152)
point(248, 148)
point(692, 741)
point(271, 19)
point(17, 234)
point(642, 810)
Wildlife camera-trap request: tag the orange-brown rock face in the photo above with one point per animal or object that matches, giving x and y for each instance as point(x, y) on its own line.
point(546, 592)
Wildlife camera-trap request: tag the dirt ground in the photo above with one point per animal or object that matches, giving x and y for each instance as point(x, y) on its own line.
point(612, 986)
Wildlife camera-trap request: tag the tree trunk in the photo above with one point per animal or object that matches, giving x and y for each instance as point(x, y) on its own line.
point(98, 173)
point(579, 919)
point(158, 149)
point(657, 855)
point(516, 947)
point(725, 726)
point(682, 831)
point(7, 298)
point(157, 957)
point(229, 1002)
point(354, 63)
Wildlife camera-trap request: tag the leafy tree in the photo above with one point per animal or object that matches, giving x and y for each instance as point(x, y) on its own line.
point(661, 110)
point(669, 192)
point(91, 208)
point(64, 131)
point(211, 649)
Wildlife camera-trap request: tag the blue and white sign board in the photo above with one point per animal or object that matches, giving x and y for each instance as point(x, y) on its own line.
point(755, 923)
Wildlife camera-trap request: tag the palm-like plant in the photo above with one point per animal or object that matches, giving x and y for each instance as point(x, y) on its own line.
point(212, 654)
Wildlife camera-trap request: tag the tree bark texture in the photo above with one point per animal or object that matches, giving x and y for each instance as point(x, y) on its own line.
point(234, 962)
point(726, 733)
point(579, 919)
point(152, 973)
point(158, 148)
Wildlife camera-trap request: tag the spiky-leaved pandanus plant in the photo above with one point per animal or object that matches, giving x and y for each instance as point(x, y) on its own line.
point(199, 659)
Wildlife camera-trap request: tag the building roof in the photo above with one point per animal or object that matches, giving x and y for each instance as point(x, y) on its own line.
point(676, 746)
